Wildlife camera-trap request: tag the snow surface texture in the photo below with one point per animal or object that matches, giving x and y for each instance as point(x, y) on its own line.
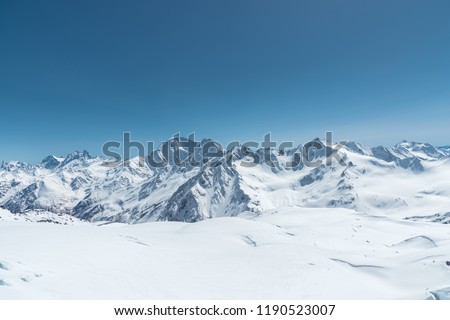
point(376, 228)
point(288, 253)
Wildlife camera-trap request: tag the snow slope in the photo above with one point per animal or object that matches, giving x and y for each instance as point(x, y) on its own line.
point(287, 253)
point(377, 228)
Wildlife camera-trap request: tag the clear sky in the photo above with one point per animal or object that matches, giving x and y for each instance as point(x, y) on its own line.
point(75, 74)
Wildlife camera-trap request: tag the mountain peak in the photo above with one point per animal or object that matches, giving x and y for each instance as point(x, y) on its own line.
point(77, 155)
point(358, 148)
point(420, 150)
point(412, 144)
point(51, 162)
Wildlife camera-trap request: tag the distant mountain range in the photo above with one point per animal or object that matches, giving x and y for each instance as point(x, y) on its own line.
point(409, 180)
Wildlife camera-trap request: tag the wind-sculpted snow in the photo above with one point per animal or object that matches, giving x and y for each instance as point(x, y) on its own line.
point(287, 253)
point(441, 294)
point(408, 180)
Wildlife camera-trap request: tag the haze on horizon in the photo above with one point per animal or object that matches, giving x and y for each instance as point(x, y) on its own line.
point(74, 75)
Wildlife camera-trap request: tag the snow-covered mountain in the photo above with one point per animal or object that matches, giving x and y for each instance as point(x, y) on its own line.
point(284, 231)
point(407, 180)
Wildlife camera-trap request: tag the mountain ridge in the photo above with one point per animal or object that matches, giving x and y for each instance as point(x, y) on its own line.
point(82, 186)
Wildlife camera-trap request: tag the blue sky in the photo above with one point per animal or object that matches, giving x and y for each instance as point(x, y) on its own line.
point(75, 74)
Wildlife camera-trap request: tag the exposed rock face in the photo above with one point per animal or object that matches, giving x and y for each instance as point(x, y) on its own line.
point(82, 186)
